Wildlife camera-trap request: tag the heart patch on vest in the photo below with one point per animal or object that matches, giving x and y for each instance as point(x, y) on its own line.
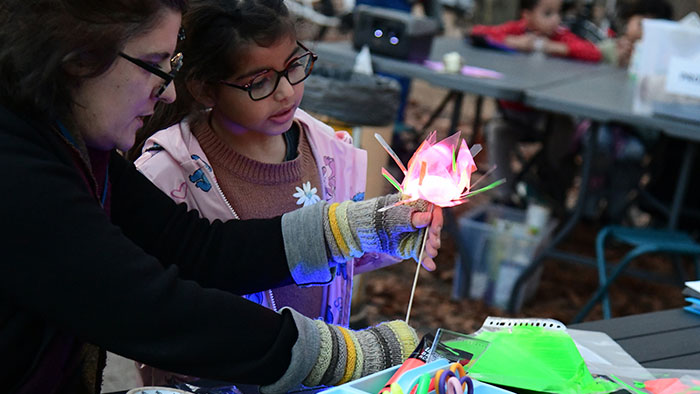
point(180, 192)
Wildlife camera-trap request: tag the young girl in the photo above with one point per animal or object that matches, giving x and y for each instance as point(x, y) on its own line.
point(240, 148)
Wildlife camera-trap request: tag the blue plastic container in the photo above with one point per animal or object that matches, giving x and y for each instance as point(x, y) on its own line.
point(373, 383)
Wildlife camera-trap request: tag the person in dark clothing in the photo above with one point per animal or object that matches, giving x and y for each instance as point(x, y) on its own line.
point(86, 238)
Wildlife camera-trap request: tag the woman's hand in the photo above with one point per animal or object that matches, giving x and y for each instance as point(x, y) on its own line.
point(384, 225)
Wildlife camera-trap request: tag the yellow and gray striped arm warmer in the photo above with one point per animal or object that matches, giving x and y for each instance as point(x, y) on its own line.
point(329, 355)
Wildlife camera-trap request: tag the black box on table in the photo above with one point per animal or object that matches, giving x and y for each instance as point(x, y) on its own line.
point(394, 33)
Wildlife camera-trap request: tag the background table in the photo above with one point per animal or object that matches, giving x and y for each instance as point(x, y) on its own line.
point(599, 92)
point(520, 71)
point(667, 339)
point(605, 96)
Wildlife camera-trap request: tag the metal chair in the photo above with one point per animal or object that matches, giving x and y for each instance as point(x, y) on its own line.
point(644, 241)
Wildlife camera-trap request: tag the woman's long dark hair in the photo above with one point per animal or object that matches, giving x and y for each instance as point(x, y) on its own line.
point(43, 44)
point(219, 33)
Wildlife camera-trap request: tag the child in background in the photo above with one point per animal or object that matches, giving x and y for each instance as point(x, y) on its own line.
point(237, 146)
point(621, 149)
point(589, 21)
point(618, 51)
point(538, 30)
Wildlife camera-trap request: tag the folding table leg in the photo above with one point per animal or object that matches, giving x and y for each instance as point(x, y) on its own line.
point(568, 226)
point(461, 284)
point(476, 126)
point(679, 196)
point(456, 112)
point(438, 110)
point(682, 184)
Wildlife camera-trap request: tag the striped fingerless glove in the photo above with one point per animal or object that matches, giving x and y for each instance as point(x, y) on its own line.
point(345, 354)
point(354, 228)
point(325, 354)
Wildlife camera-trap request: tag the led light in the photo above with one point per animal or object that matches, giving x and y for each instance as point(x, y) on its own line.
point(378, 33)
point(394, 40)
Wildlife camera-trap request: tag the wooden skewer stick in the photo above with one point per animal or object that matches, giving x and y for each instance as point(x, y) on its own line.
point(420, 258)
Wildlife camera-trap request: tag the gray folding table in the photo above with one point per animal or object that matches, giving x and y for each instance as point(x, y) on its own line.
point(520, 71)
point(666, 339)
point(605, 96)
point(599, 92)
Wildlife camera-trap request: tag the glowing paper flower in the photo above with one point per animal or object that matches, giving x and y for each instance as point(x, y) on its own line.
point(438, 172)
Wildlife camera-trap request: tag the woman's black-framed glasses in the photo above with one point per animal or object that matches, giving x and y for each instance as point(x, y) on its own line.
point(175, 66)
point(265, 83)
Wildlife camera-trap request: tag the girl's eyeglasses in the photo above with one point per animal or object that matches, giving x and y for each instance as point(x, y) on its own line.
point(265, 83)
point(175, 66)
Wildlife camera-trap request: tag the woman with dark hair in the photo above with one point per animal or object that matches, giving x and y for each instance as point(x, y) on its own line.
point(86, 237)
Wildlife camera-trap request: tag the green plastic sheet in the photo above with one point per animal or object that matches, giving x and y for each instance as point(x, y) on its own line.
point(537, 359)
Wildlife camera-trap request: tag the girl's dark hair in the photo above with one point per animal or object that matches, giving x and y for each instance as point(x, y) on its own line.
point(219, 33)
point(528, 4)
point(658, 9)
point(47, 47)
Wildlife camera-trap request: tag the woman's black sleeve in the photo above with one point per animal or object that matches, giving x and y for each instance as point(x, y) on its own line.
point(238, 256)
point(66, 265)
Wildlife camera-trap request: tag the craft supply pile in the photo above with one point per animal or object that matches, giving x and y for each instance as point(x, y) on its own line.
point(522, 355)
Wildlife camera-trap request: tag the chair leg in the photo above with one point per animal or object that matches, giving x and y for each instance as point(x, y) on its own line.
point(602, 268)
point(603, 288)
point(678, 268)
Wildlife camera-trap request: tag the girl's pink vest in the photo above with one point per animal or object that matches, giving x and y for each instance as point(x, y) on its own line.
point(342, 170)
